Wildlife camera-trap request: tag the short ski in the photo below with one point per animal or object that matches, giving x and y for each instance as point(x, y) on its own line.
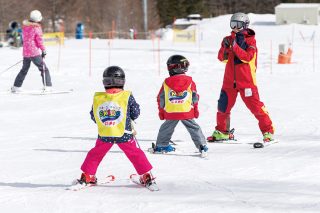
point(153, 147)
point(151, 185)
point(259, 145)
point(175, 152)
point(77, 186)
point(42, 92)
point(228, 141)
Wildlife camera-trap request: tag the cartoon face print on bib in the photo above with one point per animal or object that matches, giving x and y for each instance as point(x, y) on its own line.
point(110, 114)
point(178, 97)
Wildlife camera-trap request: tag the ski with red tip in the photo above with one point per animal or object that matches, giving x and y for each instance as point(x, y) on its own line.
point(259, 145)
point(151, 185)
point(77, 186)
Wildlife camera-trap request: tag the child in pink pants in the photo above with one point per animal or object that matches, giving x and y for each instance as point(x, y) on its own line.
point(113, 111)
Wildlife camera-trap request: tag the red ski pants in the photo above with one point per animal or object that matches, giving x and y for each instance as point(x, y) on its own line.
point(251, 99)
point(131, 150)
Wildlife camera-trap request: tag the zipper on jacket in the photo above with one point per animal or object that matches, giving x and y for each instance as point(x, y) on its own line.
point(234, 70)
point(234, 73)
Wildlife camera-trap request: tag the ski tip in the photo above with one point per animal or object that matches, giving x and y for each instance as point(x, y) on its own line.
point(258, 145)
point(111, 177)
point(151, 150)
point(133, 175)
point(210, 139)
point(204, 155)
point(153, 187)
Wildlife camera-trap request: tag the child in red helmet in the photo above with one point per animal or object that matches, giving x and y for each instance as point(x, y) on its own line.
point(178, 101)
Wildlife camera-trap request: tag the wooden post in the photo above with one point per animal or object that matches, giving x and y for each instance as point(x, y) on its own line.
point(113, 28)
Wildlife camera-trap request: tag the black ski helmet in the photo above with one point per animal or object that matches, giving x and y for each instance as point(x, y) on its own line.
point(114, 77)
point(177, 64)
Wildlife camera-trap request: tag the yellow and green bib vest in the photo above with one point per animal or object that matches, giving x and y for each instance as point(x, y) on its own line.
point(177, 101)
point(110, 113)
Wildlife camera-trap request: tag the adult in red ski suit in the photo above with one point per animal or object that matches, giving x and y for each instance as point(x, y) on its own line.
point(239, 52)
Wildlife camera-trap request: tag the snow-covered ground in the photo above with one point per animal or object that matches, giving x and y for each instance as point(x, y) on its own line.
point(44, 139)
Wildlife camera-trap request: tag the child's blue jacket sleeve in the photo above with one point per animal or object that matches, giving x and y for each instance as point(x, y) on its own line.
point(92, 116)
point(134, 108)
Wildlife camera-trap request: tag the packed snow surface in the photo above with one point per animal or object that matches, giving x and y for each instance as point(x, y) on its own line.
point(44, 139)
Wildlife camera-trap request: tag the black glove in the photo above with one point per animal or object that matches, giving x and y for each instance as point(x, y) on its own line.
point(43, 54)
point(226, 43)
point(241, 41)
point(239, 38)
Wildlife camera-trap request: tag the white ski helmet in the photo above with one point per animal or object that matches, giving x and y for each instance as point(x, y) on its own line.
point(35, 16)
point(239, 21)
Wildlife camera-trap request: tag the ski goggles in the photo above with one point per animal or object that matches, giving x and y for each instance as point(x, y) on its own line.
point(237, 24)
point(182, 64)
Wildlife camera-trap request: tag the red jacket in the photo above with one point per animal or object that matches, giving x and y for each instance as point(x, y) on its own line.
point(178, 83)
point(241, 60)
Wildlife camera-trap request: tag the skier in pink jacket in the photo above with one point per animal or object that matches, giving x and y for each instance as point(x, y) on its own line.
point(33, 51)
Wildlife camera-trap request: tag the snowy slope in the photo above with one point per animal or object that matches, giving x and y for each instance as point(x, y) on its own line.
point(44, 139)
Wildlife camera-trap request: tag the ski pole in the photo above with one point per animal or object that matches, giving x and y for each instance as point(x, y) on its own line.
point(134, 132)
point(44, 75)
point(134, 136)
point(10, 67)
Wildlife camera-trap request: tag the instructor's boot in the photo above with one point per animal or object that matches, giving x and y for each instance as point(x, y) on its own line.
point(267, 137)
point(221, 136)
point(218, 136)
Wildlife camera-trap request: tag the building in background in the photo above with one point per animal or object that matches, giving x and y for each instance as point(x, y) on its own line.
point(184, 23)
point(297, 13)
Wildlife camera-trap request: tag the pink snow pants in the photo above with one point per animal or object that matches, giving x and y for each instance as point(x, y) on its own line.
point(131, 150)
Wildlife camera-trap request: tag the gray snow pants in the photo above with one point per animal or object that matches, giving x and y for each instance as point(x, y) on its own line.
point(39, 62)
point(167, 128)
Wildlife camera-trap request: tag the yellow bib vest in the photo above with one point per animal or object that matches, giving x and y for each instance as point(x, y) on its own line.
point(110, 113)
point(177, 101)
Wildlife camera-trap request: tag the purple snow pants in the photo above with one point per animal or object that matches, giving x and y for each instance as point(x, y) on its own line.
point(131, 150)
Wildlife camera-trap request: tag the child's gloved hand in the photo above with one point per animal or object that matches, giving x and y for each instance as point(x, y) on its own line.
point(196, 113)
point(134, 132)
point(239, 38)
point(226, 43)
point(43, 54)
point(161, 115)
